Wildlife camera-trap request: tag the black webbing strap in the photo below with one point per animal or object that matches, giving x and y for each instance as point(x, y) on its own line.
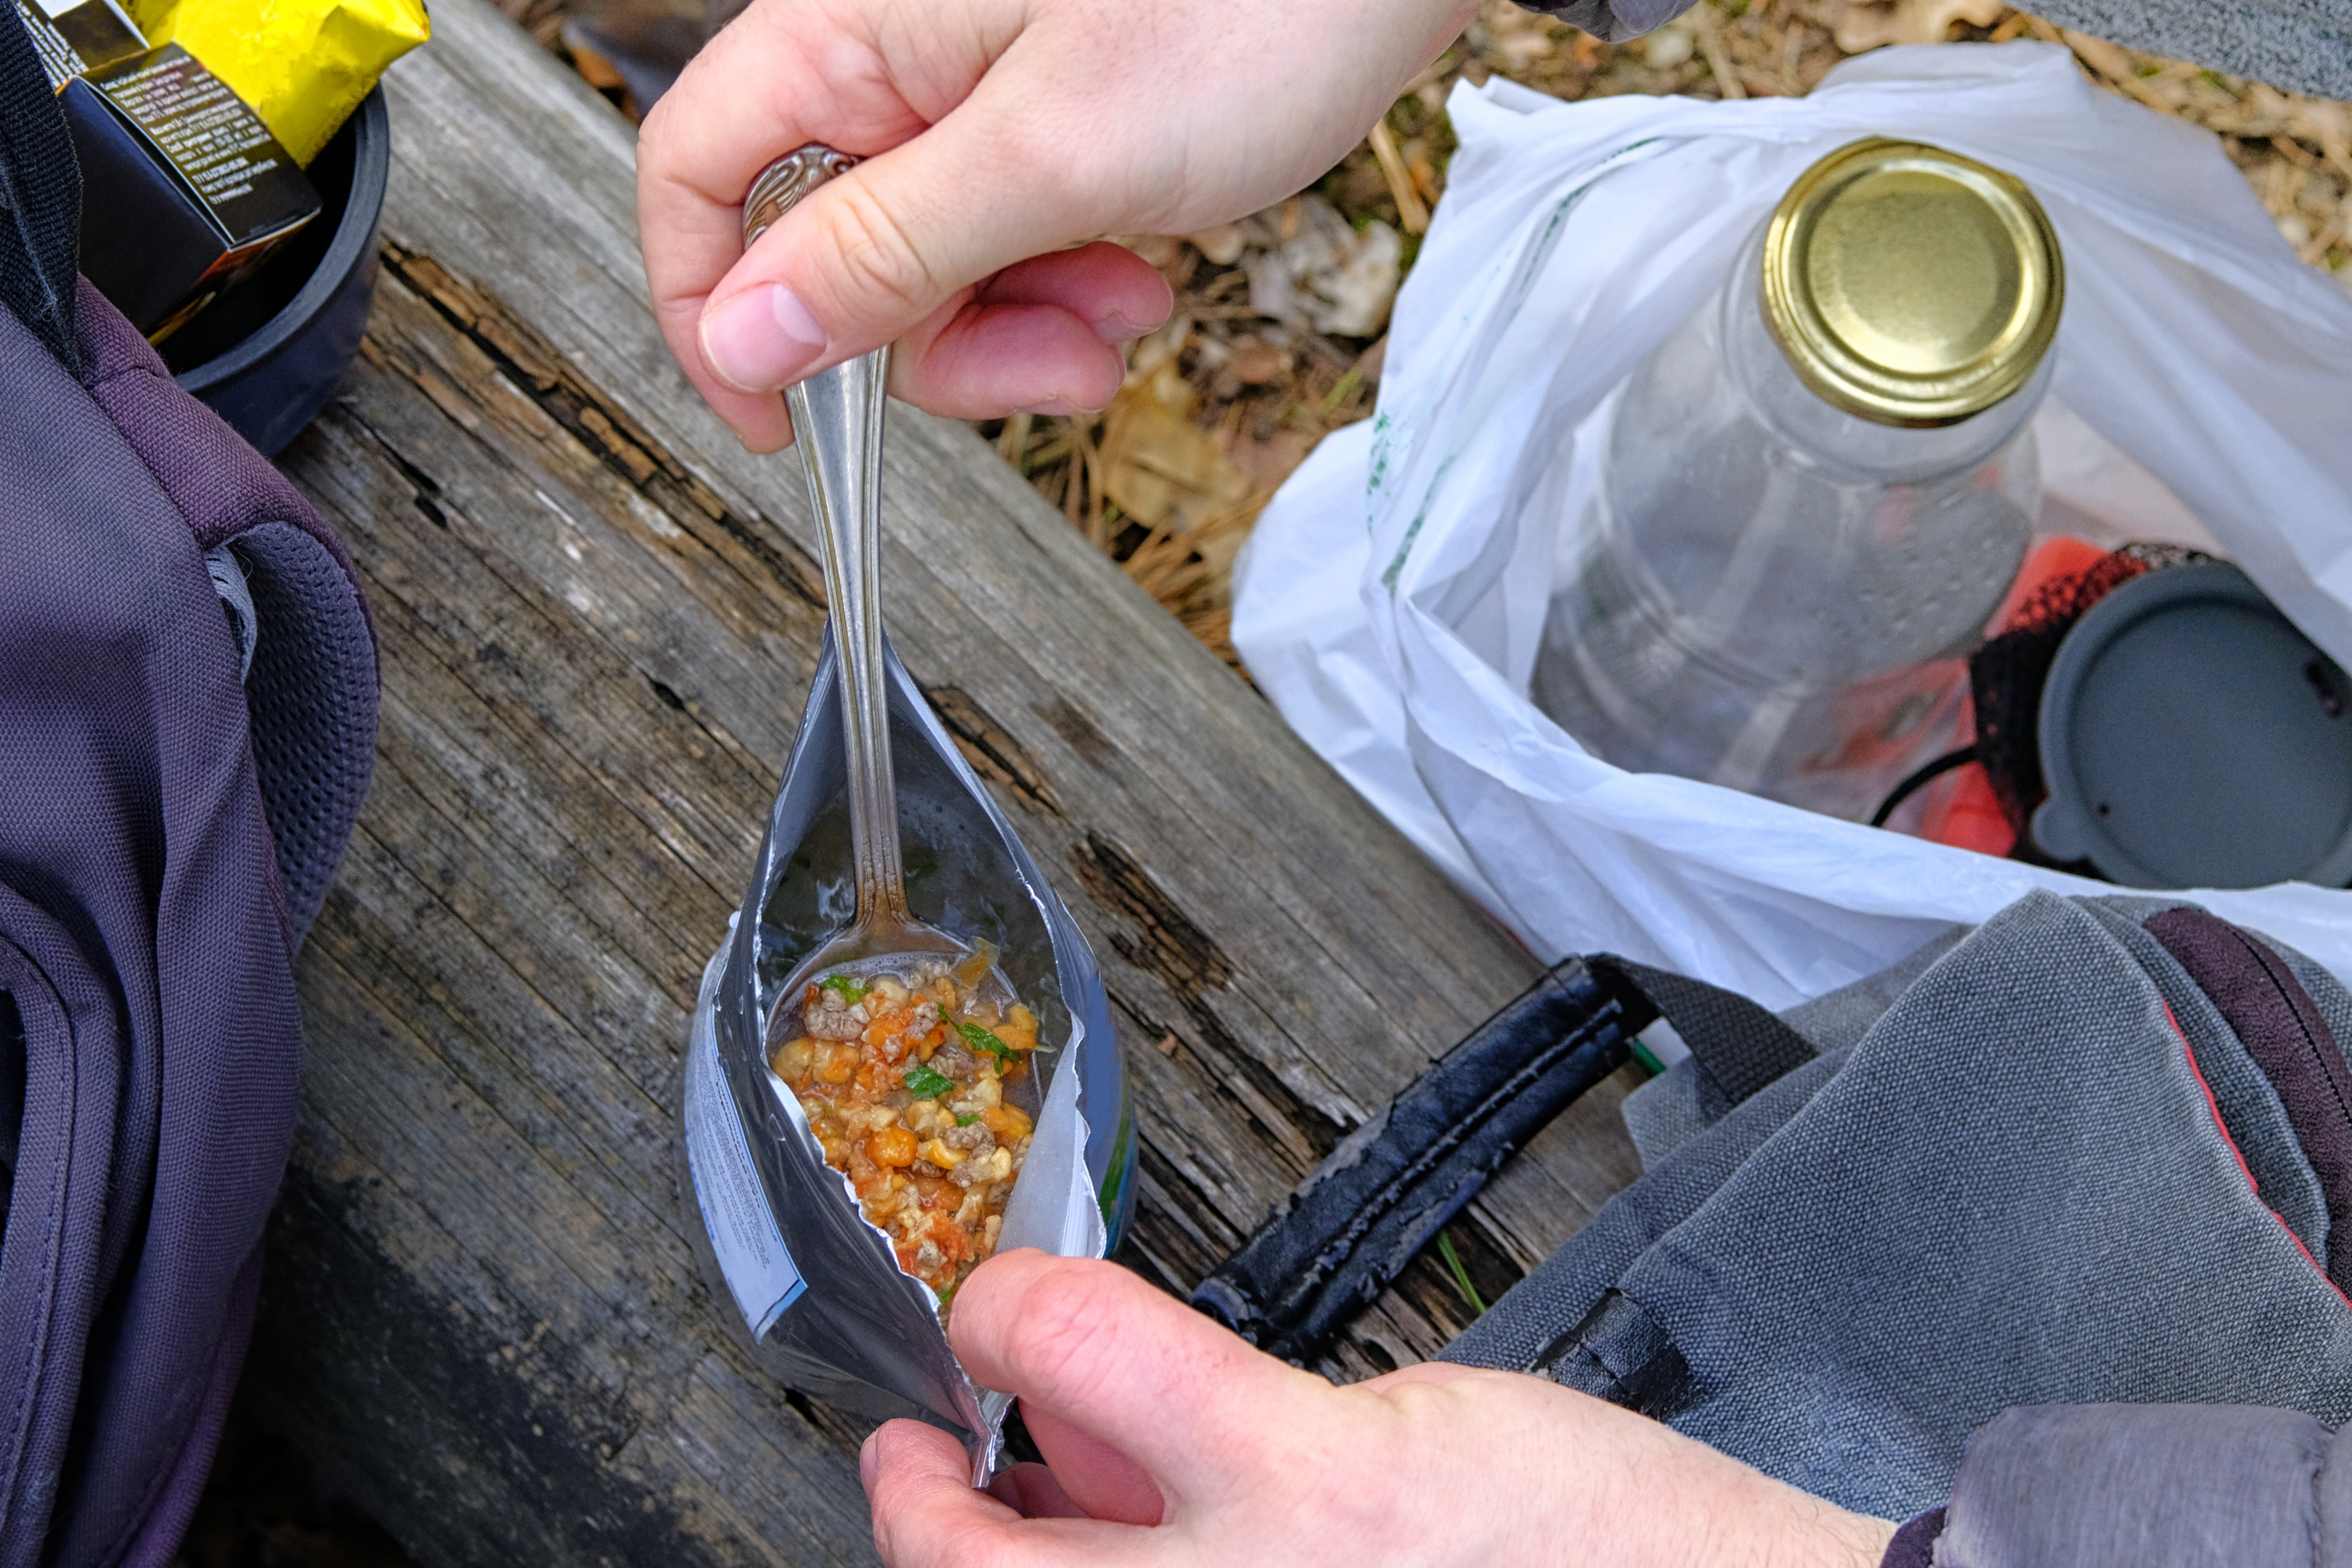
point(1621, 1354)
point(1740, 1046)
point(40, 196)
point(1346, 1231)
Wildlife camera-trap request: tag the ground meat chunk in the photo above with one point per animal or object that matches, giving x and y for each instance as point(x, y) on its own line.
point(928, 1128)
point(833, 1018)
point(975, 1139)
point(925, 1019)
point(993, 1166)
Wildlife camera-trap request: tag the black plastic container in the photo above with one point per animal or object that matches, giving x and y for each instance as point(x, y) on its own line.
point(269, 354)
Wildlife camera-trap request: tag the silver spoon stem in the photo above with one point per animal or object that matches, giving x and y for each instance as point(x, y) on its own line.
point(837, 419)
point(837, 416)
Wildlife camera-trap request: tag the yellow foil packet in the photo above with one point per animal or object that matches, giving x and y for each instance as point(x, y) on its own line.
point(303, 64)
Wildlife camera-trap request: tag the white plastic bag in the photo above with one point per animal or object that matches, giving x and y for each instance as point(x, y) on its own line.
point(1391, 599)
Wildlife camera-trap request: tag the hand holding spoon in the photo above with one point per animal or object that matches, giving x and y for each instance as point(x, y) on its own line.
point(837, 416)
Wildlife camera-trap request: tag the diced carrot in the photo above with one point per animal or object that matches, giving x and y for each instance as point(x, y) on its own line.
point(891, 1147)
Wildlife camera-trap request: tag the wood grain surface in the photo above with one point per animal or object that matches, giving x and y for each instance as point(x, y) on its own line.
point(599, 617)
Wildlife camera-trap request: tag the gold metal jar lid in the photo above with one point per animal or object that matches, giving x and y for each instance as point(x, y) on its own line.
point(1909, 285)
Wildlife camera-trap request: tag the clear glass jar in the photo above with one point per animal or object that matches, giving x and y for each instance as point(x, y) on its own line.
point(1776, 593)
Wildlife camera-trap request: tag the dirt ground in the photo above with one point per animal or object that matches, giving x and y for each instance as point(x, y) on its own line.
point(1224, 403)
point(1254, 369)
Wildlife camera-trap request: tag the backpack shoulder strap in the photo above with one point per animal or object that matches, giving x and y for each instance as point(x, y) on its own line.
point(40, 198)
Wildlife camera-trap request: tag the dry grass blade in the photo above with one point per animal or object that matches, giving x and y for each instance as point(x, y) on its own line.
point(1013, 444)
point(1710, 47)
point(1411, 214)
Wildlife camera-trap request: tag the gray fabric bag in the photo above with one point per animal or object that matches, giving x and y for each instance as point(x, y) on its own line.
point(2091, 1152)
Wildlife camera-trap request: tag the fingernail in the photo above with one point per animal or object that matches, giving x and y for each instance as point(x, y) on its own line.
point(867, 1463)
point(1117, 329)
point(1058, 405)
point(761, 340)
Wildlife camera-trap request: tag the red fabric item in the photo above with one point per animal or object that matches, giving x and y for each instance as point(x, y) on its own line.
point(1963, 812)
point(1962, 809)
point(2046, 563)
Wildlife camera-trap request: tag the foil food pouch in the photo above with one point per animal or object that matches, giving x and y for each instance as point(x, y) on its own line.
point(302, 65)
point(795, 1268)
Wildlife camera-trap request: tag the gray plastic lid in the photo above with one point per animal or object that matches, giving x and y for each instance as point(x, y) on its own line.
point(2192, 737)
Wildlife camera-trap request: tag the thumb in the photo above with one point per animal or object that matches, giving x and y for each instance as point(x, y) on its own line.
point(1178, 1402)
point(868, 257)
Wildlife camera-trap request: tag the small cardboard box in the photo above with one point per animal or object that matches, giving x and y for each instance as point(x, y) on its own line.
point(184, 191)
point(76, 36)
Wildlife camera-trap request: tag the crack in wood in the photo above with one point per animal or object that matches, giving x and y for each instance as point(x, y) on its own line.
point(1177, 1225)
point(1168, 946)
point(347, 413)
point(542, 373)
point(1166, 943)
point(993, 754)
point(1080, 731)
point(425, 489)
point(843, 1432)
point(1296, 1135)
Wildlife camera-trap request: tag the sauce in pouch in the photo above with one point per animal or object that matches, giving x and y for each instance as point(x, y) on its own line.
point(945, 1105)
point(303, 64)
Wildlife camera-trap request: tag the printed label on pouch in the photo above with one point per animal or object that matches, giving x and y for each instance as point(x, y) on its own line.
point(760, 1271)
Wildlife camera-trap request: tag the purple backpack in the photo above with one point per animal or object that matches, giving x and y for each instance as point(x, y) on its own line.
point(188, 719)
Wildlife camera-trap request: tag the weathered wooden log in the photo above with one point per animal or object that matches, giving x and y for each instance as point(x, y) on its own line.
point(599, 617)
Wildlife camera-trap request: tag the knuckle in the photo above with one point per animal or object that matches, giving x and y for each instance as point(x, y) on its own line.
point(1059, 1316)
point(877, 253)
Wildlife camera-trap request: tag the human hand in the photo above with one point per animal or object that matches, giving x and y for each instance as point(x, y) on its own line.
point(995, 133)
point(1169, 1441)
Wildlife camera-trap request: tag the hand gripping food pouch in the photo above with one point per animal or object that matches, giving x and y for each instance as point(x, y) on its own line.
point(856, 1148)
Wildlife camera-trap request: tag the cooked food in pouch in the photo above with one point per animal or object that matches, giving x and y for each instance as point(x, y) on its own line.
point(909, 1080)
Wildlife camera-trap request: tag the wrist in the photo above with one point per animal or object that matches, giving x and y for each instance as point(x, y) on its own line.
point(1854, 1540)
point(1798, 1529)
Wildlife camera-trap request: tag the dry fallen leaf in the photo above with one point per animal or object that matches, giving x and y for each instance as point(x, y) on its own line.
point(1667, 47)
point(1327, 277)
point(1162, 468)
point(1267, 464)
point(1866, 28)
point(1221, 245)
point(1256, 363)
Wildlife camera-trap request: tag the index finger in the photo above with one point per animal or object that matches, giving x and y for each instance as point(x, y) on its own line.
point(1105, 1353)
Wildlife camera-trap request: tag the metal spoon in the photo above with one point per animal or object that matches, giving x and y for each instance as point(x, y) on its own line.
point(837, 419)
